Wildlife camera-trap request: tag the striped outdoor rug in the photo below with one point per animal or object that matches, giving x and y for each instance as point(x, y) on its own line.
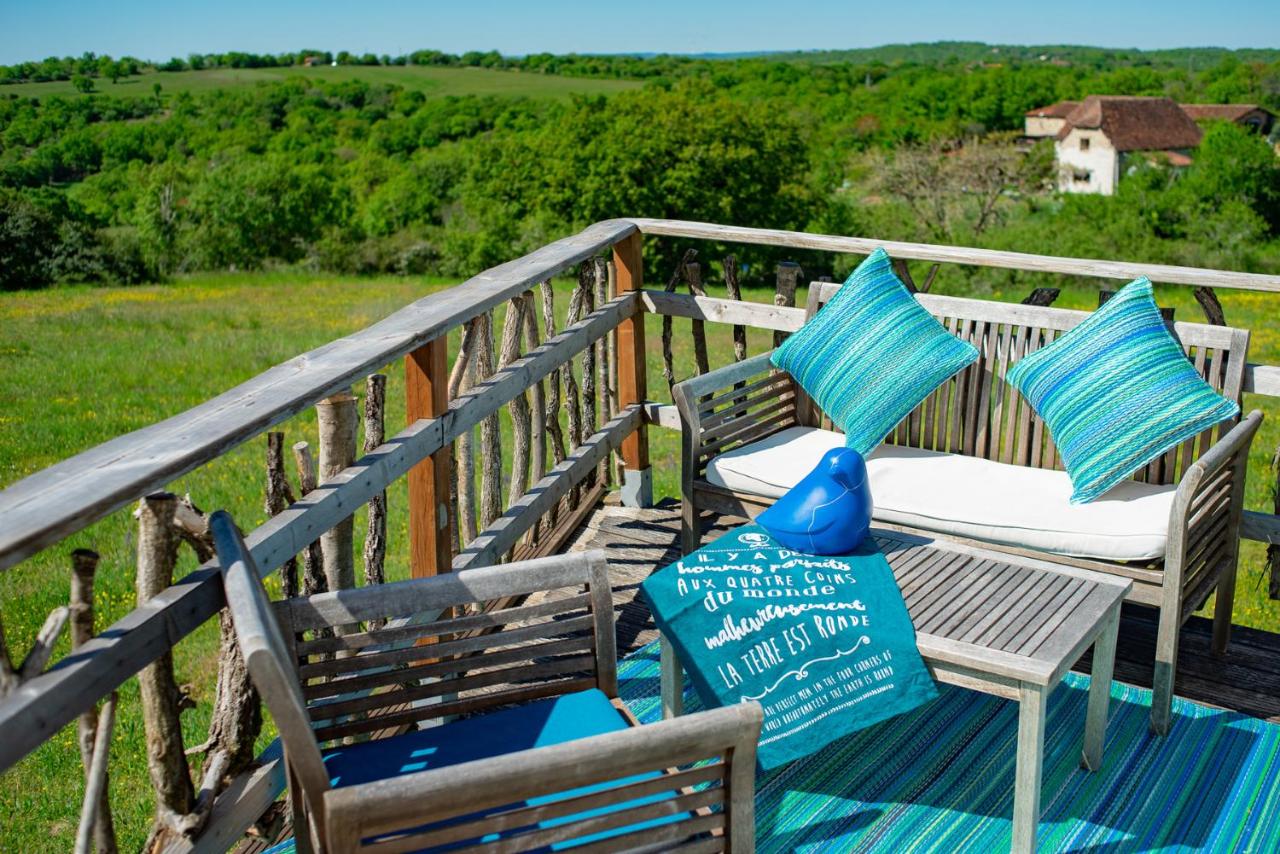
point(941, 778)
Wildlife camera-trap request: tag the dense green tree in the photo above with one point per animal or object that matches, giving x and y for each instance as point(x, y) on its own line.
point(28, 239)
point(360, 177)
point(1233, 164)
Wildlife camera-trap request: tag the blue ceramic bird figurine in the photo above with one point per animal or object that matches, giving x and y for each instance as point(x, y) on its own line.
point(829, 511)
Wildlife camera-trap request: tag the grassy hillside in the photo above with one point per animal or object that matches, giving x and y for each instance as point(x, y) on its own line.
point(427, 79)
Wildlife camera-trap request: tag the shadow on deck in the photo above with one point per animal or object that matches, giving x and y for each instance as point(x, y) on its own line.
point(641, 541)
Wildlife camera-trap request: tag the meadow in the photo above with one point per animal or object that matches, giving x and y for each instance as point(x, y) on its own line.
point(430, 80)
point(83, 364)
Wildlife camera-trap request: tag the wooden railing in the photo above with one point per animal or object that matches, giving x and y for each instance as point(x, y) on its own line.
point(47, 507)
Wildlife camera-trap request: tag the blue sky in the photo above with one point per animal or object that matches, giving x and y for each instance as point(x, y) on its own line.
point(32, 29)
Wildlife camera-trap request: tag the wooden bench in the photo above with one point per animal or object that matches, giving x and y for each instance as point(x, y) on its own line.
point(1003, 625)
point(978, 414)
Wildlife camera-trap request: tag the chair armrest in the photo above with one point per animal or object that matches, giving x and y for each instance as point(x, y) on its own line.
point(1211, 490)
point(733, 405)
point(396, 804)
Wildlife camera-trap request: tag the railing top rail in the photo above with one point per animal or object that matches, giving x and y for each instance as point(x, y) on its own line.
point(1162, 273)
point(58, 501)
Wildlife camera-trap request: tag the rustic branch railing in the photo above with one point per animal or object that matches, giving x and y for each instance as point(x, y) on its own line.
point(67, 497)
point(444, 405)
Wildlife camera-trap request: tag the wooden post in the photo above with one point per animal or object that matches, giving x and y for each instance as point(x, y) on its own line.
point(312, 561)
point(1042, 296)
point(426, 374)
point(97, 812)
point(490, 434)
point(518, 407)
point(375, 540)
point(537, 398)
point(8, 675)
point(785, 295)
point(693, 277)
point(336, 416)
point(572, 401)
point(1209, 303)
point(90, 836)
point(735, 293)
point(1273, 550)
point(551, 414)
point(637, 485)
point(588, 422)
point(161, 698)
point(462, 478)
point(668, 324)
point(237, 709)
point(279, 497)
point(611, 350)
point(604, 402)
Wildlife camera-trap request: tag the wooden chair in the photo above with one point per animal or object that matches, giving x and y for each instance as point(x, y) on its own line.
point(531, 746)
point(978, 414)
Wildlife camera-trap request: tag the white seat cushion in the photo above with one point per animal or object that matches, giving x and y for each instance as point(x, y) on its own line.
point(967, 497)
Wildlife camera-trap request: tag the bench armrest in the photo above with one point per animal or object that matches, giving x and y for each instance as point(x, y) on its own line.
point(456, 794)
point(731, 406)
point(1204, 522)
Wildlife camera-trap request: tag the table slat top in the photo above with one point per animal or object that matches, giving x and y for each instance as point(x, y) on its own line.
point(1019, 617)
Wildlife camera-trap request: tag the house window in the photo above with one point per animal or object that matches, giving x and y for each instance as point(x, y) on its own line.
point(1084, 143)
point(1081, 176)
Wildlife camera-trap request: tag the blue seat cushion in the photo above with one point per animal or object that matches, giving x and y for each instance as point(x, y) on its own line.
point(539, 724)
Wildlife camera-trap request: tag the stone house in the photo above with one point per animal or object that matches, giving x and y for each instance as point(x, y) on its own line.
point(1104, 133)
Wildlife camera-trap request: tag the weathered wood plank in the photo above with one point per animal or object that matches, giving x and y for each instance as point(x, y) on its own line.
point(415, 597)
point(241, 804)
point(68, 496)
point(1262, 527)
point(961, 255)
point(716, 310)
point(1262, 379)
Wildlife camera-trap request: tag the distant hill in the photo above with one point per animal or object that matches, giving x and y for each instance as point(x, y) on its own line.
point(946, 53)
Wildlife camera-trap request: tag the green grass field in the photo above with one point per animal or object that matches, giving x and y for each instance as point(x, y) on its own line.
point(82, 365)
point(428, 79)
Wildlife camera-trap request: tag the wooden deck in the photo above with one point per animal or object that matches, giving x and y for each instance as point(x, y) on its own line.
point(640, 541)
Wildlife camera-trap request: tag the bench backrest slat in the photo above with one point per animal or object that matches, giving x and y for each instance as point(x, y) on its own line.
point(977, 412)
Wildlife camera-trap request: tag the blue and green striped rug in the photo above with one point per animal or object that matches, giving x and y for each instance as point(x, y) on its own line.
point(940, 778)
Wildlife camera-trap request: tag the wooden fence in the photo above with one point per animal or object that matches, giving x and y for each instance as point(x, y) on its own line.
point(594, 369)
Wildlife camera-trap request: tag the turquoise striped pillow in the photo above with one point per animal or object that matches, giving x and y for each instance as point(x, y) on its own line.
point(871, 354)
point(1117, 391)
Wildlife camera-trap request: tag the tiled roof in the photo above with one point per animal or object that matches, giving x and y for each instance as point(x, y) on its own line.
point(1135, 124)
point(1226, 112)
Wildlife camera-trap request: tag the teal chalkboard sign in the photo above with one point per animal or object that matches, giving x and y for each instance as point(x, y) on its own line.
point(824, 643)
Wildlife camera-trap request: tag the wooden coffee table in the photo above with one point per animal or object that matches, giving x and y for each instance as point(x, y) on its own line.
point(1001, 624)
